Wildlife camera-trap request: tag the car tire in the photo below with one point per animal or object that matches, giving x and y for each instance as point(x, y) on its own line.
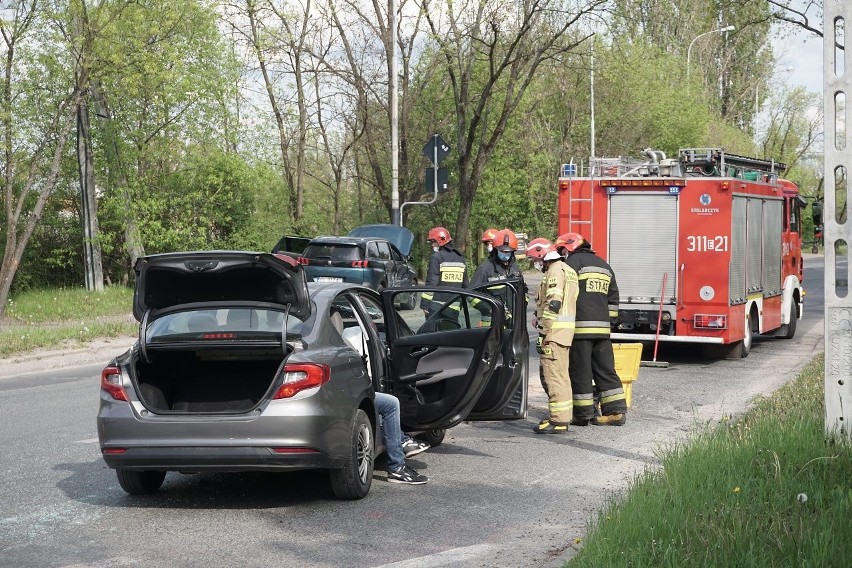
point(411, 303)
point(432, 437)
point(140, 482)
point(353, 480)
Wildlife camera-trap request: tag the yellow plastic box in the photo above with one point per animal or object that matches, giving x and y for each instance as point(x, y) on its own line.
point(627, 359)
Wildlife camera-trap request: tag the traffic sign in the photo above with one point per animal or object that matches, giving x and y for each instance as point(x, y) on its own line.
point(436, 143)
point(443, 180)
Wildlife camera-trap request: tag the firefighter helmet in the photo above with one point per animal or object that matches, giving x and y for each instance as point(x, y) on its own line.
point(570, 241)
point(439, 235)
point(551, 255)
point(505, 240)
point(537, 248)
point(488, 235)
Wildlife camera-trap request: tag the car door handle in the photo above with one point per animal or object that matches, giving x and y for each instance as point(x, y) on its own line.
point(420, 351)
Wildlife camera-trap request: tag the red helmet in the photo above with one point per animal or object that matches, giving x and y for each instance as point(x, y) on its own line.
point(505, 240)
point(537, 248)
point(488, 235)
point(439, 235)
point(569, 241)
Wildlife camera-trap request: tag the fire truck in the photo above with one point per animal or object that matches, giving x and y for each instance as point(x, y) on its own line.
point(706, 247)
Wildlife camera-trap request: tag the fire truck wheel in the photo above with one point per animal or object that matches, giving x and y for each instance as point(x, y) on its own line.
point(790, 329)
point(745, 344)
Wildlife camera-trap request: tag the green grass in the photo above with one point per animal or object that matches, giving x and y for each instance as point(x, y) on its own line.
point(65, 317)
point(767, 490)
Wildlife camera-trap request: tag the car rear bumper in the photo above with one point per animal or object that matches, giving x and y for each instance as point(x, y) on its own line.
point(202, 458)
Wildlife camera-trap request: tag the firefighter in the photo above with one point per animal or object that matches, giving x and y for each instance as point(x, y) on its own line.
point(592, 357)
point(487, 237)
point(500, 263)
point(555, 311)
point(536, 249)
point(446, 267)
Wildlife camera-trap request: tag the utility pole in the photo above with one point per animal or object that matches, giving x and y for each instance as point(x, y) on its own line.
point(396, 218)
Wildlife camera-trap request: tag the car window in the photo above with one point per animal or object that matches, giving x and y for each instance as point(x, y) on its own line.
point(448, 311)
point(395, 255)
point(384, 250)
point(372, 250)
point(506, 294)
point(241, 322)
point(332, 251)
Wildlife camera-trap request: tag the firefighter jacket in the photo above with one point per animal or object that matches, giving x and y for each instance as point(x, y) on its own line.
point(492, 269)
point(559, 284)
point(598, 299)
point(446, 268)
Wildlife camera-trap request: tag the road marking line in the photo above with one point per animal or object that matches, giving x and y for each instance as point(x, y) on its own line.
point(540, 479)
point(106, 563)
point(87, 441)
point(445, 558)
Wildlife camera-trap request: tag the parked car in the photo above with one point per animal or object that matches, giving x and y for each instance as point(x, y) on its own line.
point(242, 365)
point(291, 245)
point(375, 256)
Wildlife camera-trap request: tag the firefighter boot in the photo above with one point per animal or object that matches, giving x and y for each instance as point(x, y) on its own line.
point(611, 420)
point(548, 427)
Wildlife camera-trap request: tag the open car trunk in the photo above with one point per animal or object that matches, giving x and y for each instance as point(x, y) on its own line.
point(224, 380)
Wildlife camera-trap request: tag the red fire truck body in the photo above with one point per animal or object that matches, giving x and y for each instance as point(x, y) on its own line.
point(706, 248)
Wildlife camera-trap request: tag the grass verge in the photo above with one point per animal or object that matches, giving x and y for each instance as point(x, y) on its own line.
point(65, 318)
point(767, 490)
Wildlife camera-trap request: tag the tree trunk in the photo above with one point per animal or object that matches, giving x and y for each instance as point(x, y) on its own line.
point(92, 262)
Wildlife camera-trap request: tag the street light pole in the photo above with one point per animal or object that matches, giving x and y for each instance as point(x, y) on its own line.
point(396, 214)
point(689, 49)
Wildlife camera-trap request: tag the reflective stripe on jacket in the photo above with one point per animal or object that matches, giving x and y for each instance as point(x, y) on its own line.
point(558, 283)
point(446, 268)
point(598, 298)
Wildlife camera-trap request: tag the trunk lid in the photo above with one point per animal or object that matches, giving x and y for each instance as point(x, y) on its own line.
point(164, 281)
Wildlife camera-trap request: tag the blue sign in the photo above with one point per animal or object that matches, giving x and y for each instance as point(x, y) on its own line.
point(611, 189)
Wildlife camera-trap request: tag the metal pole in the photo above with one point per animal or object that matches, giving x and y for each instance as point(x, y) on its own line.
point(396, 217)
point(689, 49)
point(592, 94)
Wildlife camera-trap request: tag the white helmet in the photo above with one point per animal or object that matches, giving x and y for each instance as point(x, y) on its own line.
point(552, 255)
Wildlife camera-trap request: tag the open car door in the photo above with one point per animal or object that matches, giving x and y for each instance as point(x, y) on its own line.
point(441, 361)
point(505, 395)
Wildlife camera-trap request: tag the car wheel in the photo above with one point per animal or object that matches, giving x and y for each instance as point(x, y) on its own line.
point(140, 482)
point(432, 437)
point(411, 303)
point(353, 480)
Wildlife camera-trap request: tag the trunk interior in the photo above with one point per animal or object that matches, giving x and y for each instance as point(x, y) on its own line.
point(205, 381)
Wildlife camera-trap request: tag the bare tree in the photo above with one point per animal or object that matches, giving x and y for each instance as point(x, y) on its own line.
point(491, 52)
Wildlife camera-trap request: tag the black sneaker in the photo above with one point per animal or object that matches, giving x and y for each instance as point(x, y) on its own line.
point(404, 474)
point(412, 447)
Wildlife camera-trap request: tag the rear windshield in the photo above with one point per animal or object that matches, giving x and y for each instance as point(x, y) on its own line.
point(239, 323)
point(332, 251)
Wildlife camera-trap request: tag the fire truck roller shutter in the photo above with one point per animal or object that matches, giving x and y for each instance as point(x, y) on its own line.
point(754, 248)
point(639, 263)
point(737, 277)
point(773, 212)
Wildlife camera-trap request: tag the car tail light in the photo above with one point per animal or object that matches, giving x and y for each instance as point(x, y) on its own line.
point(116, 451)
point(219, 335)
point(710, 321)
point(359, 264)
point(111, 383)
point(303, 260)
point(302, 376)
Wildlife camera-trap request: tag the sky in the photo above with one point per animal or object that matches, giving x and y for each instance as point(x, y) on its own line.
point(803, 52)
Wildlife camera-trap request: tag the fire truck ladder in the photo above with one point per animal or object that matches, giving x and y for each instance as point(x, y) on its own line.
point(716, 162)
point(577, 223)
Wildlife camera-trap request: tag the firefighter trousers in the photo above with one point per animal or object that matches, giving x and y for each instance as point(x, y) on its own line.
point(592, 367)
point(555, 382)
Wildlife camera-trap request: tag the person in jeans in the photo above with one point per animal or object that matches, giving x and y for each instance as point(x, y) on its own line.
point(397, 447)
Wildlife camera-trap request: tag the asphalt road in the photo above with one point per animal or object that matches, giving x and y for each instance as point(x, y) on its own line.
point(498, 494)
